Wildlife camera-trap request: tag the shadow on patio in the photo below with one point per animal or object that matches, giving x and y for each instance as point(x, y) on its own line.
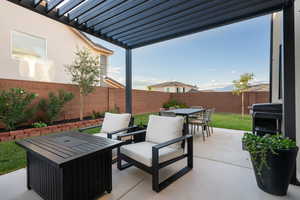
point(221, 171)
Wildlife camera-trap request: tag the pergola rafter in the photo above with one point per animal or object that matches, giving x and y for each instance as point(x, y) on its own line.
point(151, 21)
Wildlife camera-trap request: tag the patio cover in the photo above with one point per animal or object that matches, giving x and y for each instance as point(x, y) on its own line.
point(136, 23)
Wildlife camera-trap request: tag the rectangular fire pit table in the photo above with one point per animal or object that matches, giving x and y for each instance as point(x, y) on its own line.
point(69, 165)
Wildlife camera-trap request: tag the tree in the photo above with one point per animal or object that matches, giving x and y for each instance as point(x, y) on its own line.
point(85, 72)
point(241, 86)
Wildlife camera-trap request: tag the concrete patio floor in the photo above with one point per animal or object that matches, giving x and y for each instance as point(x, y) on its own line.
point(221, 171)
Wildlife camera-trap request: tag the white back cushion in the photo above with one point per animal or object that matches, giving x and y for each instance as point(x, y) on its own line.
point(113, 122)
point(162, 129)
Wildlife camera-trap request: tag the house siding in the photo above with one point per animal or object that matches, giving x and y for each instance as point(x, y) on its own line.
point(277, 40)
point(61, 45)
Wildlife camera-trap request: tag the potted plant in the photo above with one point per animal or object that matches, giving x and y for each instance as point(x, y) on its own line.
point(273, 158)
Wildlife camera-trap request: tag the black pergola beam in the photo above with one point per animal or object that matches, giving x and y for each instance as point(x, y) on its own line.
point(52, 4)
point(36, 2)
point(98, 10)
point(114, 12)
point(205, 26)
point(128, 92)
point(147, 13)
point(157, 20)
point(136, 23)
point(133, 12)
point(86, 6)
point(68, 7)
point(205, 12)
point(230, 10)
point(63, 19)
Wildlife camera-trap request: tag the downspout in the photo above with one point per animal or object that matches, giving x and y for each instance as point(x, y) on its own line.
point(271, 60)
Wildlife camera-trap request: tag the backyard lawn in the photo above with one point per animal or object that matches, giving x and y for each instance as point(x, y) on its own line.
point(12, 157)
point(232, 121)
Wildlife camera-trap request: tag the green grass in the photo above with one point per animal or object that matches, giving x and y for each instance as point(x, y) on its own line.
point(12, 157)
point(232, 121)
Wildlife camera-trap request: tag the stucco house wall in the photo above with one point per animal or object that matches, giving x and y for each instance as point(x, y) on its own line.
point(61, 44)
point(277, 40)
point(172, 89)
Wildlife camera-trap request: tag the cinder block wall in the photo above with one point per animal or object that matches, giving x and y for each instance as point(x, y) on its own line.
point(103, 99)
point(222, 101)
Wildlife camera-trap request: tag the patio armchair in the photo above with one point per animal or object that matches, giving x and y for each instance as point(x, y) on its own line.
point(164, 144)
point(114, 125)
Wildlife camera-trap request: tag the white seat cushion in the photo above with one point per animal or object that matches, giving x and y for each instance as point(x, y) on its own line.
point(114, 137)
point(142, 152)
point(162, 129)
point(113, 122)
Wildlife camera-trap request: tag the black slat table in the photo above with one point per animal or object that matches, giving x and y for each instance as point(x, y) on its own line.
point(69, 165)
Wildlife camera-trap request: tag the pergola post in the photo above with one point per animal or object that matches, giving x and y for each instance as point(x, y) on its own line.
point(128, 91)
point(289, 92)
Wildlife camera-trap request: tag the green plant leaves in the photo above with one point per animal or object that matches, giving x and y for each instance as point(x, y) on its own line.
point(52, 107)
point(259, 147)
point(15, 107)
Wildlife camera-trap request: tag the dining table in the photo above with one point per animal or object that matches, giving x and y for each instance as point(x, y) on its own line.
point(186, 112)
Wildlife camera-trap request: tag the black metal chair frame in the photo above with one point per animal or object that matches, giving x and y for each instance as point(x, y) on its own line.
point(130, 128)
point(156, 166)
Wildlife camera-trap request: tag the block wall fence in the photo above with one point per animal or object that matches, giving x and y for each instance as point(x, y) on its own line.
point(104, 99)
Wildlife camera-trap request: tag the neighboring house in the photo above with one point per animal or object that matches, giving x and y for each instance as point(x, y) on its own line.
point(113, 83)
point(277, 65)
point(259, 88)
point(173, 87)
point(39, 48)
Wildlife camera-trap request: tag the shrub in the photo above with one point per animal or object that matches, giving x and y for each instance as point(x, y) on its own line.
point(52, 107)
point(39, 125)
point(15, 107)
point(96, 115)
point(259, 147)
point(174, 103)
point(116, 109)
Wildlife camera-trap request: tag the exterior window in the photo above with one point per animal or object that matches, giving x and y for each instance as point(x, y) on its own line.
point(25, 46)
point(177, 90)
point(183, 90)
point(168, 89)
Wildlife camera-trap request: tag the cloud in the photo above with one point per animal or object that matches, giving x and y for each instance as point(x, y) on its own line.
point(138, 82)
point(233, 72)
point(213, 85)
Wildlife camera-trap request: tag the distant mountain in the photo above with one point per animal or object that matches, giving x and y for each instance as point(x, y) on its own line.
point(254, 87)
point(224, 89)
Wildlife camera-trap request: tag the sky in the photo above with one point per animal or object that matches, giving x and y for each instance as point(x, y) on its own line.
point(209, 59)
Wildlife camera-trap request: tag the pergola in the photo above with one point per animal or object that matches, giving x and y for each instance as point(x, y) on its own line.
point(136, 23)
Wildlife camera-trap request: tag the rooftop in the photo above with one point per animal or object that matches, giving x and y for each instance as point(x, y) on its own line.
point(172, 83)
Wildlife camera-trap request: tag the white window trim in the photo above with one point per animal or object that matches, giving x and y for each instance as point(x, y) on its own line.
point(31, 35)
